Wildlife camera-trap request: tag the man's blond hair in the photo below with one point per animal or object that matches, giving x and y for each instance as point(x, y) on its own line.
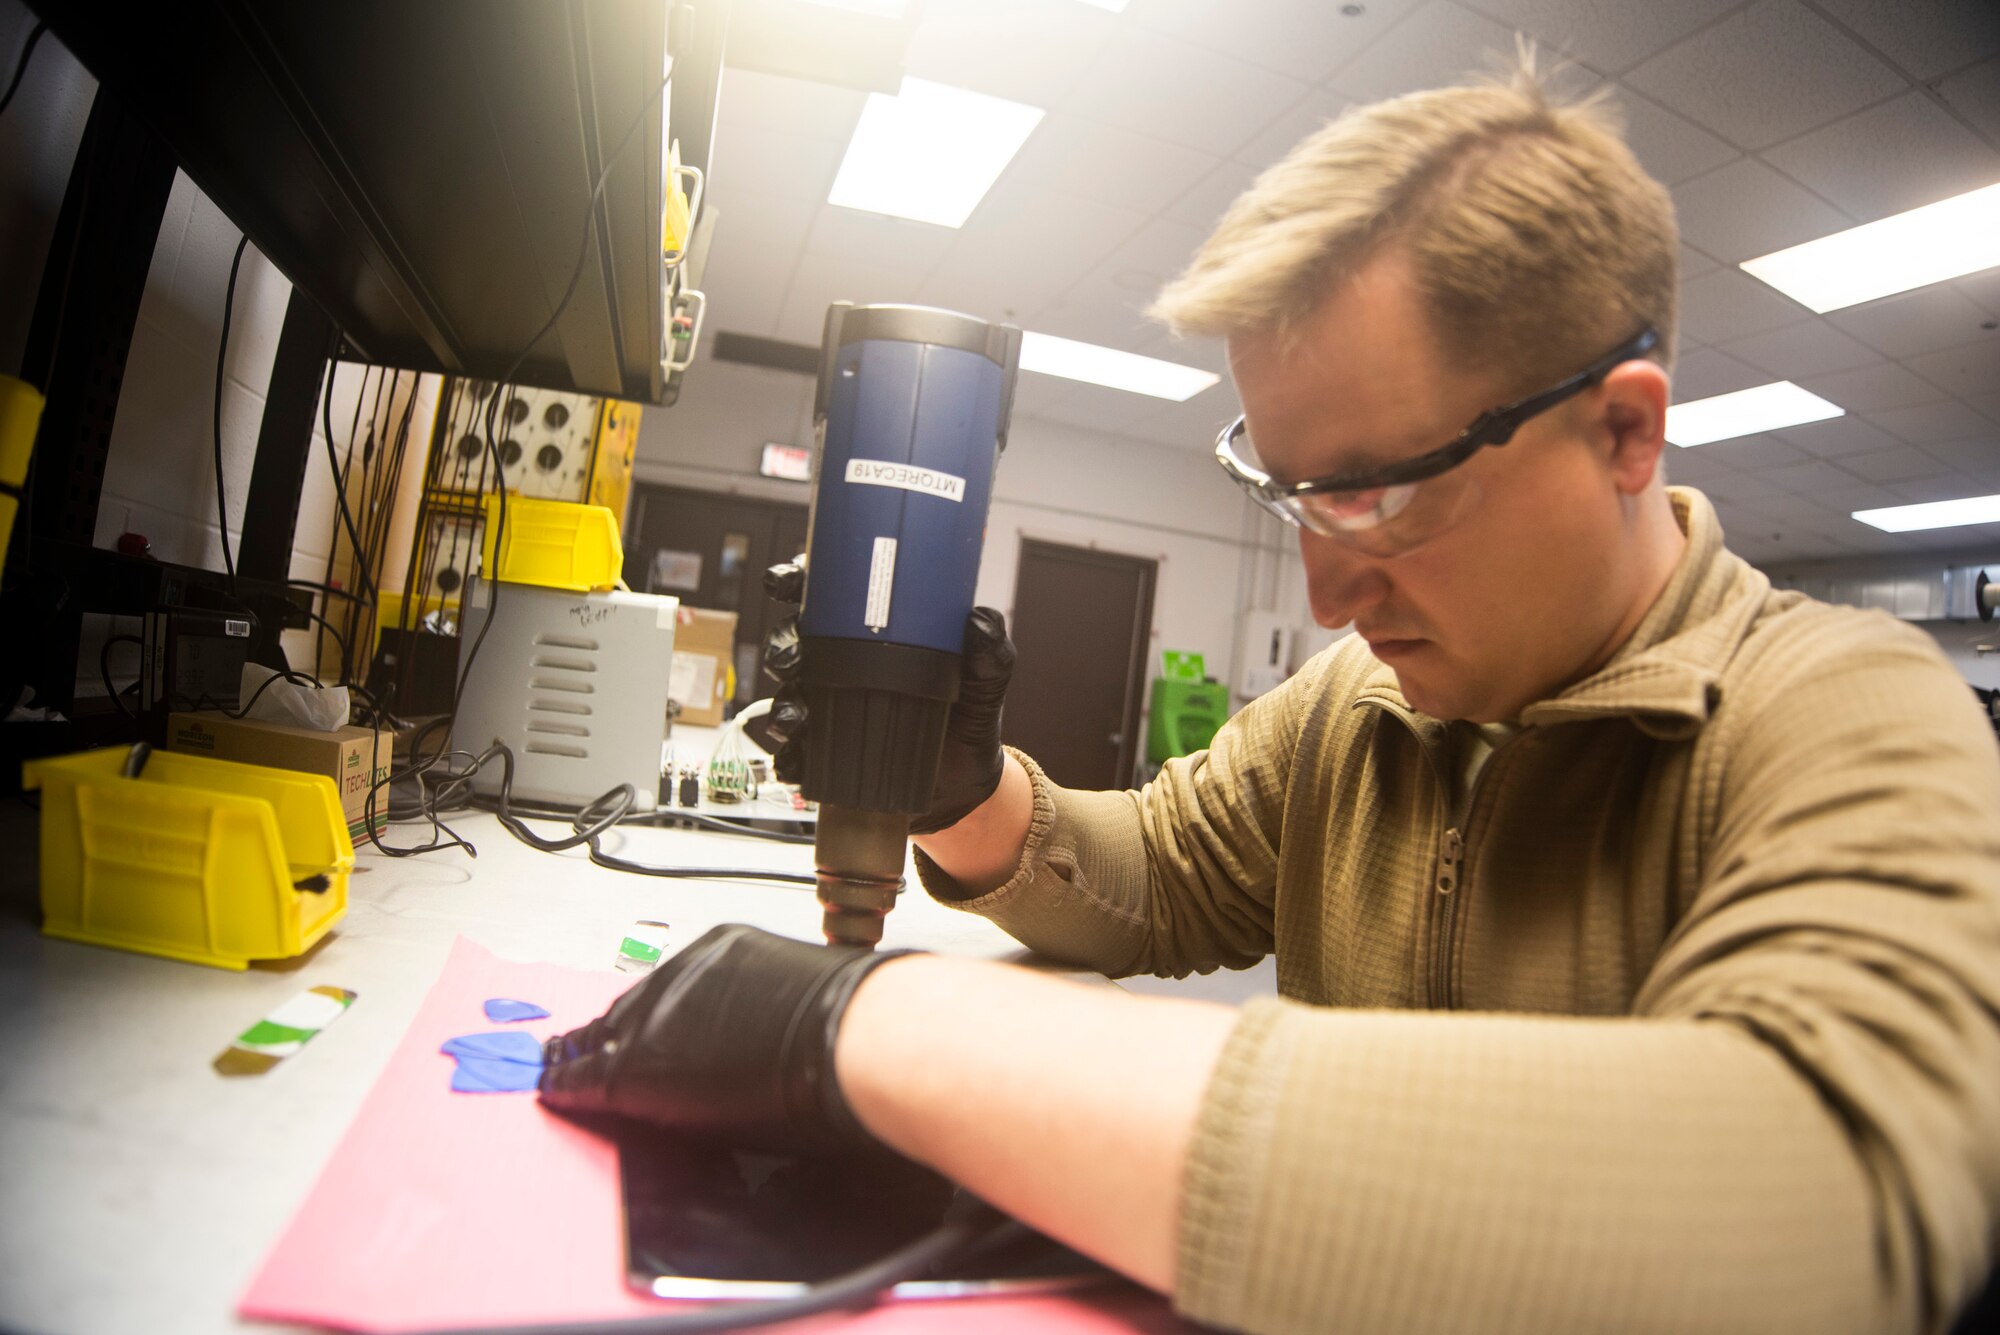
point(1537, 239)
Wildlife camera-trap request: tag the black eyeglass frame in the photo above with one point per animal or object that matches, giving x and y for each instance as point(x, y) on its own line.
point(1496, 426)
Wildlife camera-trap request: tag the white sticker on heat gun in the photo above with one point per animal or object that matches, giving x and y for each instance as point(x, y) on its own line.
point(882, 473)
point(881, 581)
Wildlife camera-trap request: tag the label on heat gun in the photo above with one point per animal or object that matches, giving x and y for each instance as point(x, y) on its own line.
point(881, 582)
point(930, 481)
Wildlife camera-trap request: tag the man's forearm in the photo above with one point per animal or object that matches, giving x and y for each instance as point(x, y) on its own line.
point(982, 851)
point(1070, 1107)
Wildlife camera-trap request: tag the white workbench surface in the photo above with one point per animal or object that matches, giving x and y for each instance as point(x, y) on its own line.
point(139, 1190)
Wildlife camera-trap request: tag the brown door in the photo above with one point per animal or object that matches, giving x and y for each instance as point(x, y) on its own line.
point(711, 550)
point(1083, 623)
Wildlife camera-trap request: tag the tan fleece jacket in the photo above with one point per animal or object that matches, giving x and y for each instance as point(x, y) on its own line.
point(1692, 1026)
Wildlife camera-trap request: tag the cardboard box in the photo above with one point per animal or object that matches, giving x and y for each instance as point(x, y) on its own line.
point(704, 652)
point(345, 755)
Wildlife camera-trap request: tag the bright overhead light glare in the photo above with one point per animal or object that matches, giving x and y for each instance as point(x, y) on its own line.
point(884, 9)
point(1933, 514)
point(1109, 367)
point(1766, 408)
point(930, 153)
point(1928, 245)
point(1115, 6)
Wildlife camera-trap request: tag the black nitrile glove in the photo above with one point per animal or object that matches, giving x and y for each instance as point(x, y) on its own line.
point(731, 1038)
point(969, 765)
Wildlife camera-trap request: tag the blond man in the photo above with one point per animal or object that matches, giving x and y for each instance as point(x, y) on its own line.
point(1637, 926)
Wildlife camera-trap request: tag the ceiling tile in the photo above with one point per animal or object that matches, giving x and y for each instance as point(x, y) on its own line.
point(1963, 370)
point(1438, 45)
point(1765, 74)
point(1925, 38)
point(1859, 496)
point(1951, 487)
point(1610, 37)
point(1745, 209)
point(1703, 374)
point(1695, 467)
point(1890, 158)
point(1983, 288)
point(1924, 423)
point(1283, 134)
point(1870, 389)
point(1694, 262)
point(1307, 39)
point(1910, 324)
point(1108, 324)
point(1754, 452)
point(821, 280)
point(746, 296)
point(1203, 205)
point(1030, 51)
point(1670, 147)
point(1728, 304)
point(1975, 95)
point(1809, 478)
point(1067, 155)
point(1899, 465)
point(1178, 91)
point(1026, 253)
point(1838, 437)
point(851, 234)
point(754, 100)
point(1810, 347)
point(1969, 456)
point(777, 162)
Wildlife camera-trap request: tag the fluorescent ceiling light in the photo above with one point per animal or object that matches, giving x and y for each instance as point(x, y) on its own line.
point(1746, 412)
point(1107, 366)
point(930, 153)
point(1115, 6)
point(1933, 514)
point(1926, 245)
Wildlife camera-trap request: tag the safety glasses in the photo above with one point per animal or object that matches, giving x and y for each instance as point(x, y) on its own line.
point(1389, 511)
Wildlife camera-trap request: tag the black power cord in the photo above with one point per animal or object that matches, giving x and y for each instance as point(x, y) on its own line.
point(855, 1291)
point(21, 66)
point(221, 352)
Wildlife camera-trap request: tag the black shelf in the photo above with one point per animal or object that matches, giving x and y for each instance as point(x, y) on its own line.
point(422, 170)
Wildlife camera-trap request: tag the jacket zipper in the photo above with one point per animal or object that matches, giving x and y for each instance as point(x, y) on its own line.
point(1449, 860)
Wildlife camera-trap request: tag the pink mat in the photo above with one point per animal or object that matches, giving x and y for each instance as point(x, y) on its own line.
point(409, 1228)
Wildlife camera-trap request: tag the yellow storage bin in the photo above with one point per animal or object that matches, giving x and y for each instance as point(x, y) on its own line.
point(197, 859)
point(556, 544)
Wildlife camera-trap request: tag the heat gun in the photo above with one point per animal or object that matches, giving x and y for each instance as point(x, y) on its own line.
point(910, 417)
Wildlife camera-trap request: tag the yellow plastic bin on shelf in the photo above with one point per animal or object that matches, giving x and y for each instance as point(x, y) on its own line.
point(556, 544)
point(197, 859)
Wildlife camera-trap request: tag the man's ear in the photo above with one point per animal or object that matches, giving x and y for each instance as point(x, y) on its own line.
point(1635, 397)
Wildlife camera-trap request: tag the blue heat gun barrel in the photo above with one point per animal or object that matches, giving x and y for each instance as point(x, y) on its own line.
point(912, 412)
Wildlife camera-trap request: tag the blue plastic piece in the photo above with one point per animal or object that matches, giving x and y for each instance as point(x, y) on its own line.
point(503, 1010)
point(478, 1075)
point(507, 1062)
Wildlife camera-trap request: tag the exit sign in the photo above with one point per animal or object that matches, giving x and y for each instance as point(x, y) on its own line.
point(791, 462)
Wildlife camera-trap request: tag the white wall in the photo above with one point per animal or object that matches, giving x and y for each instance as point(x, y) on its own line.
point(1956, 638)
point(1218, 554)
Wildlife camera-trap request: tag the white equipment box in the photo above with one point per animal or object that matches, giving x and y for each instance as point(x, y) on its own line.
point(575, 684)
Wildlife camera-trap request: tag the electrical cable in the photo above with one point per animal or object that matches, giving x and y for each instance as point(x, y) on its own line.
point(104, 670)
point(855, 1291)
point(221, 352)
point(498, 534)
point(21, 65)
point(339, 485)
